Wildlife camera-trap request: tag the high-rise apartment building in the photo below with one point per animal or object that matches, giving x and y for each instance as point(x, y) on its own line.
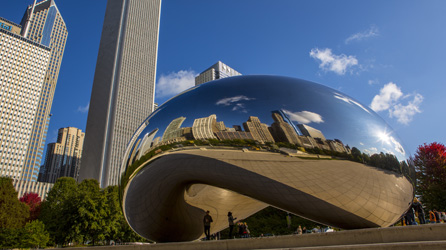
point(43, 24)
point(204, 128)
point(123, 87)
point(259, 131)
point(23, 65)
point(310, 131)
point(63, 158)
point(283, 131)
point(216, 71)
point(173, 130)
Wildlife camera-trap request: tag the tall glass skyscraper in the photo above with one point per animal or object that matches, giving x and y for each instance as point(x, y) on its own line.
point(43, 24)
point(123, 87)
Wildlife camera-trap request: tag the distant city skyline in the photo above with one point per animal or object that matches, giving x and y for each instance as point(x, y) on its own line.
point(380, 43)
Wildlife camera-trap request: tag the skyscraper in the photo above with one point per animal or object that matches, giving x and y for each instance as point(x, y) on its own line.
point(63, 158)
point(216, 71)
point(123, 87)
point(42, 23)
point(23, 64)
point(259, 131)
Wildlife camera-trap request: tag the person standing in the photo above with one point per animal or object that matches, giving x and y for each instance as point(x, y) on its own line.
point(299, 230)
point(207, 225)
point(231, 223)
point(419, 211)
point(437, 216)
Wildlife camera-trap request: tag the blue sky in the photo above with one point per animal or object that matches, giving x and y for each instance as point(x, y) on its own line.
point(389, 55)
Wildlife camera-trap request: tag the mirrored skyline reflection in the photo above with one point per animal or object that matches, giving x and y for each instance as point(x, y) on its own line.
point(292, 144)
point(268, 109)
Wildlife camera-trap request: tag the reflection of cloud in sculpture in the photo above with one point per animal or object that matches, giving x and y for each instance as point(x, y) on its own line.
point(236, 101)
point(304, 117)
point(350, 101)
point(371, 150)
point(385, 137)
point(397, 145)
point(241, 107)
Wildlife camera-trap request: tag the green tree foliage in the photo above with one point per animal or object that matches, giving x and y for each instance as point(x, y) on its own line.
point(13, 213)
point(91, 211)
point(430, 165)
point(84, 212)
point(34, 203)
point(34, 235)
point(59, 212)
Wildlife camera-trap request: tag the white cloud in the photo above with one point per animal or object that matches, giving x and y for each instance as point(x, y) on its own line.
point(371, 82)
point(405, 113)
point(175, 83)
point(387, 97)
point(391, 98)
point(83, 109)
point(372, 32)
point(228, 101)
point(304, 117)
point(331, 62)
point(236, 102)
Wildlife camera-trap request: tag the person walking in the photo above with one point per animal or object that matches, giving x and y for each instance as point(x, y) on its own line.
point(207, 225)
point(231, 223)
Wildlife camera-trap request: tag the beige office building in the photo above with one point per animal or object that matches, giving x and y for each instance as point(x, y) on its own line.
point(216, 71)
point(204, 128)
point(123, 87)
point(310, 131)
point(259, 131)
point(23, 64)
point(63, 158)
point(43, 24)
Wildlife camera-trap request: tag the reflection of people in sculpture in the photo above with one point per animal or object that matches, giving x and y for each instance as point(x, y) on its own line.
point(207, 225)
point(231, 223)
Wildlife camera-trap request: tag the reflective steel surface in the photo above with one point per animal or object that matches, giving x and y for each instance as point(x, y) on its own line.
point(242, 143)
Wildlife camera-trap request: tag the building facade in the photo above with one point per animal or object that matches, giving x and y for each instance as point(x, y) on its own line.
point(204, 128)
point(63, 158)
point(259, 131)
point(310, 131)
point(40, 188)
point(216, 71)
point(43, 24)
point(283, 131)
point(123, 87)
point(23, 65)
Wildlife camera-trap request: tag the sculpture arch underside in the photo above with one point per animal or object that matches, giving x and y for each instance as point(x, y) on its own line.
point(167, 199)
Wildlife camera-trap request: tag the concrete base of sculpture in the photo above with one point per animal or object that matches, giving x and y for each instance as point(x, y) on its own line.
point(168, 197)
point(431, 236)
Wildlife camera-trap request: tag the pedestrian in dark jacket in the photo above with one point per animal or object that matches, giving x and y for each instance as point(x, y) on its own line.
point(207, 225)
point(419, 211)
point(231, 223)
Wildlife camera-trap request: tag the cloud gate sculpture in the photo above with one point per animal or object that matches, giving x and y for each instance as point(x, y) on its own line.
point(243, 143)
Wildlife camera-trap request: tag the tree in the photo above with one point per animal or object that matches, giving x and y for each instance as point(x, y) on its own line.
point(34, 235)
point(59, 210)
point(430, 165)
point(13, 213)
point(91, 211)
point(34, 202)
